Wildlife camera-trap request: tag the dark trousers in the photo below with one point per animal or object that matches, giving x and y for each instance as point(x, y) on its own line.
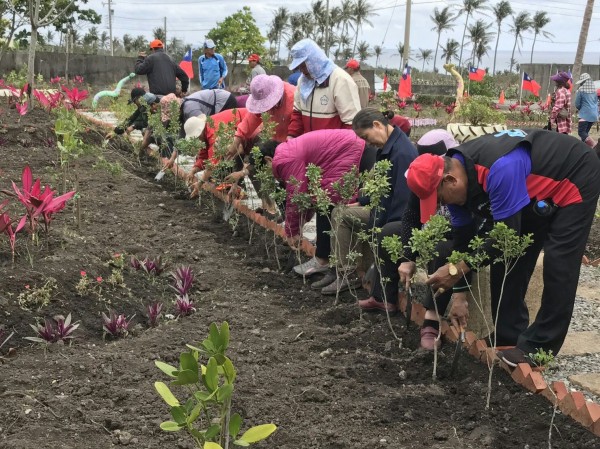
point(583, 129)
point(563, 237)
point(389, 269)
point(323, 245)
point(231, 103)
point(444, 249)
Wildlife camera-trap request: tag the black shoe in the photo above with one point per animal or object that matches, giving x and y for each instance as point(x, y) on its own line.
point(512, 357)
point(329, 277)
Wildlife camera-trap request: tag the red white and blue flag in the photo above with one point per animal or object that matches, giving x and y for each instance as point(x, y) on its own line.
point(186, 64)
point(405, 85)
point(476, 74)
point(531, 85)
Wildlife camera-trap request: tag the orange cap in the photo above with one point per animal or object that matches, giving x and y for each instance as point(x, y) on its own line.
point(156, 43)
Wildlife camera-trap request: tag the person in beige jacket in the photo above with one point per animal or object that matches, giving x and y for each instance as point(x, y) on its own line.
point(353, 69)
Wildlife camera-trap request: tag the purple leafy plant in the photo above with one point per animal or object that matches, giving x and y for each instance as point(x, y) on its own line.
point(58, 332)
point(135, 263)
point(115, 325)
point(153, 266)
point(183, 277)
point(154, 312)
point(184, 306)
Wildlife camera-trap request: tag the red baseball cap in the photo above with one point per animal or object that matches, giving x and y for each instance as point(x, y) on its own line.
point(156, 43)
point(423, 177)
point(353, 64)
point(254, 57)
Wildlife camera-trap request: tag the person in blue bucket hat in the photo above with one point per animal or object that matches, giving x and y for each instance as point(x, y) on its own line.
point(326, 96)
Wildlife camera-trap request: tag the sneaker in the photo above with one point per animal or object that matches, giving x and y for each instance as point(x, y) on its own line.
point(342, 284)
point(372, 305)
point(311, 267)
point(428, 338)
point(512, 357)
point(329, 277)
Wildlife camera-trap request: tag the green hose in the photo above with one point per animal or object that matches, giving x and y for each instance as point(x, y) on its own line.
point(111, 93)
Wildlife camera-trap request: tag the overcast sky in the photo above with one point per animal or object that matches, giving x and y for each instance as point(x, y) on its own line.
point(190, 20)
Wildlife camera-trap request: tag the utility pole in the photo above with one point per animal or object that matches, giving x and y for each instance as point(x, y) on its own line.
point(110, 13)
point(327, 29)
point(407, 33)
point(165, 34)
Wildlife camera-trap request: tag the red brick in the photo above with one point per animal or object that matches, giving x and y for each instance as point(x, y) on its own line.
point(477, 348)
point(521, 372)
point(535, 382)
point(505, 367)
point(586, 414)
point(402, 301)
point(445, 327)
point(452, 334)
point(596, 428)
point(489, 356)
point(560, 389)
point(549, 394)
point(470, 339)
point(418, 313)
point(571, 403)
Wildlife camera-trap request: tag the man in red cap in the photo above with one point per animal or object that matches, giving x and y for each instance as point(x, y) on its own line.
point(353, 69)
point(256, 69)
point(534, 181)
point(161, 70)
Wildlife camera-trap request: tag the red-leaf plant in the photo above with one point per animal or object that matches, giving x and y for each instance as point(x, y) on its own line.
point(49, 101)
point(184, 306)
point(115, 325)
point(450, 108)
point(183, 278)
point(39, 203)
point(154, 312)
point(59, 332)
point(75, 96)
point(6, 227)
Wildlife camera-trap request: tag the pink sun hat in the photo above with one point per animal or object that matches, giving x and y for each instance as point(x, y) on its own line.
point(265, 92)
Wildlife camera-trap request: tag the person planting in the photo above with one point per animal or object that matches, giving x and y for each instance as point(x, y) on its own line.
point(138, 119)
point(208, 102)
point(335, 152)
point(534, 181)
point(392, 144)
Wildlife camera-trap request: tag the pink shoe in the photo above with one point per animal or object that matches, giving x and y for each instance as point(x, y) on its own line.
point(428, 336)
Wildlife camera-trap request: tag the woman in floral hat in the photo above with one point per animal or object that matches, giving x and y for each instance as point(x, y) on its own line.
point(561, 112)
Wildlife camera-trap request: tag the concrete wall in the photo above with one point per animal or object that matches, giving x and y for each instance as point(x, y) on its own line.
point(542, 73)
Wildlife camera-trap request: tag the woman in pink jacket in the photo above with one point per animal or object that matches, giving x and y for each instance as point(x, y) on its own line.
point(335, 151)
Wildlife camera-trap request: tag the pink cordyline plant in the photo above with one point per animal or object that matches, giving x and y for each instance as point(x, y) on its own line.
point(49, 101)
point(183, 277)
point(59, 332)
point(78, 79)
point(55, 80)
point(75, 96)
point(21, 108)
point(115, 325)
point(450, 108)
point(154, 312)
point(6, 227)
point(184, 306)
point(135, 263)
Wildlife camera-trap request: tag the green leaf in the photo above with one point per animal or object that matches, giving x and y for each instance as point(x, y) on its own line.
point(213, 335)
point(241, 443)
point(257, 433)
point(179, 415)
point(211, 378)
point(224, 392)
point(186, 377)
point(187, 361)
point(210, 445)
point(165, 368)
point(229, 370)
point(170, 426)
point(235, 424)
point(225, 335)
point(193, 416)
point(194, 348)
point(204, 396)
point(166, 394)
point(212, 432)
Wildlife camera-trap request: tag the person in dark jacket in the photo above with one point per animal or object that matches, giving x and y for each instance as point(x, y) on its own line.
point(139, 119)
point(374, 127)
point(161, 71)
point(536, 182)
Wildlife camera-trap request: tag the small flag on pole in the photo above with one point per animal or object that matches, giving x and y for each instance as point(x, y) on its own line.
point(476, 74)
point(186, 64)
point(405, 85)
point(531, 85)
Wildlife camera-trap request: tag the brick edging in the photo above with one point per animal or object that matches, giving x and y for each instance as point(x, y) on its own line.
point(571, 403)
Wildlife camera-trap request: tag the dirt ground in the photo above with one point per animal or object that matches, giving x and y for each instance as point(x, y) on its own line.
point(326, 376)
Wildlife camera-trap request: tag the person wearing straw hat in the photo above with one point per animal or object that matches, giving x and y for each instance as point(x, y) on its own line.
point(586, 103)
point(561, 111)
point(161, 70)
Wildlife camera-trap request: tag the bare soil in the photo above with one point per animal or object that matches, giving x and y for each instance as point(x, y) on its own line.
point(326, 376)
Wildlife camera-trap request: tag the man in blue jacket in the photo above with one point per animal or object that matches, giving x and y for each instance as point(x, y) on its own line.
point(211, 67)
point(586, 103)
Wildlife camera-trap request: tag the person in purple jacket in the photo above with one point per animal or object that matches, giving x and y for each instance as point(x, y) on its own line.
point(335, 151)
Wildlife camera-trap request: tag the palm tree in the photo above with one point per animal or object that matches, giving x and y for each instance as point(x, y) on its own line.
point(91, 39)
point(346, 15)
point(104, 40)
point(377, 49)
point(400, 49)
point(479, 36)
point(583, 34)
point(279, 25)
point(443, 20)
point(363, 51)
point(140, 43)
point(482, 48)
point(127, 43)
point(425, 56)
point(450, 51)
point(501, 11)
point(521, 23)
point(469, 7)
point(540, 20)
point(159, 33)
point(362, 11)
